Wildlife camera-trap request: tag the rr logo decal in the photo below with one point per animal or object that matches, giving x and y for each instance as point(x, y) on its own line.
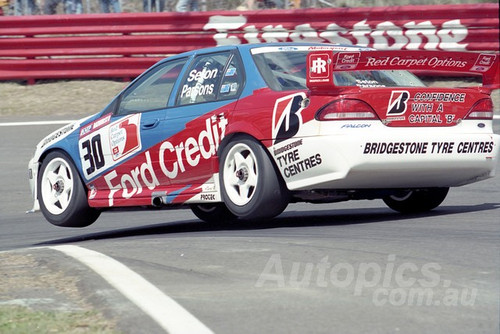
point(398, 102)
point(319, 66)
point(286, 117)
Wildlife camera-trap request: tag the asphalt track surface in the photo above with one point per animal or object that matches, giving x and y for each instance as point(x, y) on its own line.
point(353, 267)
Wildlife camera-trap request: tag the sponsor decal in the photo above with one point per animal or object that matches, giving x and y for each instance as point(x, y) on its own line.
point(290, 162)
point(368, 83)
point(330, 48)
point(208, 197)
point(426, 108)
point(355, 126)
point(195, 83)
point(398, 102)
point(287, 147)
point(124, 137)
point(319, 66)
point(423, 118)
point(93, 191)
point(428, 147)
point(166, 161)
point(95, 125)
point(230, 72)
point(225, 88)
point(347, 60)
point(433, 62)
point(288, 48)
point(203, 146)
point(59, 134)
point(289, 159)
point(484, 62)
point(133, 182)
point(287, 119)
point(104, 146)
point(440, 97)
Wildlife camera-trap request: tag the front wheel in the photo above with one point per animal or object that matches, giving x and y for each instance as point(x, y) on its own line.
point(250, 185)
point(414, 201)
point(62, 195)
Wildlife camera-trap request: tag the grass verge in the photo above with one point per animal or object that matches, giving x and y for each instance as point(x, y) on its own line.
point(21, 320)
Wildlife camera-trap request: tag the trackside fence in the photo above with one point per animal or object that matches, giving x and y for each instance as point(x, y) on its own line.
point(124, 45)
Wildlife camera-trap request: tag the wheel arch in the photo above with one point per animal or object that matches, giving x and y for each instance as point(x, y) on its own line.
point(73, 210)
point(231, 137)
point(242, 127)
point(44, 155)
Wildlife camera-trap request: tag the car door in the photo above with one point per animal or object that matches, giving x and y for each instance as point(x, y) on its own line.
point(207, 93)
point(120, 151)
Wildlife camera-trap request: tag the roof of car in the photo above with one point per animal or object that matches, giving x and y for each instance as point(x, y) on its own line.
point(247, 47)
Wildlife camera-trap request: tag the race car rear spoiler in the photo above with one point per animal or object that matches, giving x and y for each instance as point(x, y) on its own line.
point(321, 65)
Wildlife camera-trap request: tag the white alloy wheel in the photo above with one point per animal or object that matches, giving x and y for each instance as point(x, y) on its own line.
point(62, 194)
point(241, 174)
point(57, 185)
point(251, 187)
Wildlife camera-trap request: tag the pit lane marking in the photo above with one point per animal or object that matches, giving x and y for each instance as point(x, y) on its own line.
point(164, 310)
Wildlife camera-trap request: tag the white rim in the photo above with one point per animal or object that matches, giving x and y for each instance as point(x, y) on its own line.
point(57, 186)
point(240, 174)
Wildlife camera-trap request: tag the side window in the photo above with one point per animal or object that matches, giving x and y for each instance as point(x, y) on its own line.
point(153, 90)
point(203, 79)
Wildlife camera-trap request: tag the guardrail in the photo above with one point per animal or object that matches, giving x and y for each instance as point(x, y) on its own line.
point(124, 45)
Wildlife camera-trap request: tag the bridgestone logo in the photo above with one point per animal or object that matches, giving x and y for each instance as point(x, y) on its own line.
point(397, 103)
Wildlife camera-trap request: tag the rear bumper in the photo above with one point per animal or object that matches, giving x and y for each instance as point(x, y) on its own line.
point(382, 159)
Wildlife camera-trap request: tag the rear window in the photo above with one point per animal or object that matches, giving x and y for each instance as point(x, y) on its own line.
point(286, 70)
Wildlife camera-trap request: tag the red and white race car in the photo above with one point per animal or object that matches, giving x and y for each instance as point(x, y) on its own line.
point(238, 132)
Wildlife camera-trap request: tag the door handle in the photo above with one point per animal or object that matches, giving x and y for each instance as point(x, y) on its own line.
point(150, 124)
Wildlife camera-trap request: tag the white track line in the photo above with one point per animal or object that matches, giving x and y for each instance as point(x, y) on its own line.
point(164, 310)
point(36, 123)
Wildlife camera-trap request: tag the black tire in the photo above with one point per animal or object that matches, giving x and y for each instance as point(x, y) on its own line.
point(251, 187)
point(213, 213)
point(62, 194)
point(415, 201)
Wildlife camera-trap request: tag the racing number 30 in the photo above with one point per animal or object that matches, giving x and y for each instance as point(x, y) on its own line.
point(94, 154)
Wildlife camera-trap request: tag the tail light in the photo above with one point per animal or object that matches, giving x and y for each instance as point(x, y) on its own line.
point(346, 109)
point(483, 109)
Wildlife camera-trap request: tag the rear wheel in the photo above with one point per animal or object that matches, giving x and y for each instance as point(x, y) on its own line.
point(61, 193)
point(419, 200)
point(251, 186)
point(213, 213)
